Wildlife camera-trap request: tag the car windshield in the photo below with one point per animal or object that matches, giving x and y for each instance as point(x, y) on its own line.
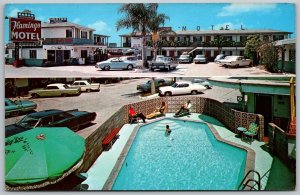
point(174, 85)
point(28, 122)
point(200, 56)
point(230, 58)
point(160, 58)
point(184, 56)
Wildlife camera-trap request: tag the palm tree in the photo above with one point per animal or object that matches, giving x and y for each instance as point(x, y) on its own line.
point(219, 42)
point(137, 17)
point(155, 27)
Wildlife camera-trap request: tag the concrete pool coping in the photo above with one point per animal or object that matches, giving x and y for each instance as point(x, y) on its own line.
point(102, 167)
point(250, 159)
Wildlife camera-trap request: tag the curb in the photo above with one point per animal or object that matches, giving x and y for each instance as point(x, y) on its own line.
point(149, 97)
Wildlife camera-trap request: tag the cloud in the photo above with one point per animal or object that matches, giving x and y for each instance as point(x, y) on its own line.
point(231, 26)
point(99, 26)
point(240, 8)
point(14, 12)
point(76, 20)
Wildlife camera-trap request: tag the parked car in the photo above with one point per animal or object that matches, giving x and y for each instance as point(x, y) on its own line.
point(202, 82)
point(14, 108)
point(116, 63)
point(181, 88)
point(185, 58)
point(53, 90)
point(72, 119)
point(219, 57)
point(146, 87)
point(200, 59)
point(86, 85)
point(235, 61)
point(163, 63)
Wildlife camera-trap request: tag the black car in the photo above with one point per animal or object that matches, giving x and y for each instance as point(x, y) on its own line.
point(146, 87)
point(72, 119)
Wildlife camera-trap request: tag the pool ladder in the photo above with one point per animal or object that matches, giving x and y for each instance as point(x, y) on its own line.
point(246, 184)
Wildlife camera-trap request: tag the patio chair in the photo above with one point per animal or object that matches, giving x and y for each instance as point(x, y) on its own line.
point(157, 114)
point(184, 112)
point(133, 119)
point(252, 131)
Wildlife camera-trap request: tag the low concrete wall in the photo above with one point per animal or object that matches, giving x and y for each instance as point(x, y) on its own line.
point(229, 117)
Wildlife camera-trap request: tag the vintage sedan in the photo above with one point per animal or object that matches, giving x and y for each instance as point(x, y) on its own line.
point(235, 61)
point(200, 59)
point(185, 58)
point(158, 82)
point(73, 119)
point(14, 108)
point(54, 90)
point(181, 87)
point(203, 82)
point(117, 63)
point(163, 63)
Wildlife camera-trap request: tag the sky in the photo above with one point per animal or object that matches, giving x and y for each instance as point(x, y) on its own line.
point(103, 16)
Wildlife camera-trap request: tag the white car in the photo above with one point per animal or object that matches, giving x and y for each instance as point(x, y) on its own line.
point(56, 89)
point(185, 58)
point(116, 63)
point(181, 87)
point(235, 61)
point(200, 59)
point(86, 86)
point(202, 82)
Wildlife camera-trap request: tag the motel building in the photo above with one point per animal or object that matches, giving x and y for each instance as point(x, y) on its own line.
point(61, 42)
point(204, 42)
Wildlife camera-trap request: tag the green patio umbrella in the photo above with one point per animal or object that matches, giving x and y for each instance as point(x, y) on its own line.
point(41, 156)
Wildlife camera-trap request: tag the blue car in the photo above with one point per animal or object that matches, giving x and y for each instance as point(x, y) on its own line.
point(14, 108)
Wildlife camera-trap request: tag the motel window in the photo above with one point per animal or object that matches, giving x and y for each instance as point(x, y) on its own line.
point(292, 55)
point(66, 54)
point(32, 54)
point(13, 53)
point(83, 34)
point(69, 33)
point(228, 38)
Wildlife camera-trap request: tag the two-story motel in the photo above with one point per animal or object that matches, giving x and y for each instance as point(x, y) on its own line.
point(204, 42)
point(61, 41)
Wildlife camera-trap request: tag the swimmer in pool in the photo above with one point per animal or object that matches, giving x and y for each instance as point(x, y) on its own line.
point(168, 130)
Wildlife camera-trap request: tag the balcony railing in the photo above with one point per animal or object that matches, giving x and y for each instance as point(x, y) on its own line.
point(126, 44)
point(65, 41)
point(165, 43)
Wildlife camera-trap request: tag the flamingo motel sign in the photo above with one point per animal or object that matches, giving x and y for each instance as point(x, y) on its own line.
point(24, 30)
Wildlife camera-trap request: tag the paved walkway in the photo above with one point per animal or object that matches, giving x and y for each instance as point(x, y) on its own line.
point(264, 162)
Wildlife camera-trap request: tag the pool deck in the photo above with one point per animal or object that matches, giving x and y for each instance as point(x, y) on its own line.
point(101, 169)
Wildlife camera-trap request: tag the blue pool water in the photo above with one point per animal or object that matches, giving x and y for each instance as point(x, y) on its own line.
point(190, 158)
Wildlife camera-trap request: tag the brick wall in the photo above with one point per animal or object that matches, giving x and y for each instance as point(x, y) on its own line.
point(278, 142)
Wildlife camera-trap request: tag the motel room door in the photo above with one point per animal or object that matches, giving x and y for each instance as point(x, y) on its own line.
point(59, 57)
point(263, 106)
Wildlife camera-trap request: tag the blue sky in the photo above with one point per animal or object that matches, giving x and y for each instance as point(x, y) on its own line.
point(103, 17)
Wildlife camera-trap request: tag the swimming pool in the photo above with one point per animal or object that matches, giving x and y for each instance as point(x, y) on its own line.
point(190, 158)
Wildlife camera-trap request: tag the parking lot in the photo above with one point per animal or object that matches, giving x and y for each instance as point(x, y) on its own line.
point(182, 70)
point(110, 99)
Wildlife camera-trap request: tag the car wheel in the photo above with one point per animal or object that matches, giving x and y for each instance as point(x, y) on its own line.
point(76, 128)
point(88, 90)
point(14, 113)
point(194, 92)
point(106, 68)
point(168, 93)
point(251, 64)
point(129, 67)
point(207, 87)
point(63, 95)
point(237, 65)
point(34, 95)
point(168, 68)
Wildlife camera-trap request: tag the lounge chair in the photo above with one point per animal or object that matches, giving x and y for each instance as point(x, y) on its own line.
point(133, 119)
point(184, 113)
point(157, 114)
point(252, 131)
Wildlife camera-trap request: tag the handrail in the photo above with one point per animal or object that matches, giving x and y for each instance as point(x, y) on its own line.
point(253, 180)
point(258, 182)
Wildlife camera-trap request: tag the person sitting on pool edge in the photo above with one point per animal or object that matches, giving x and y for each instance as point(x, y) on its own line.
point(184, 109)
point(133, 114)
point(158, 111)
point(168, 130)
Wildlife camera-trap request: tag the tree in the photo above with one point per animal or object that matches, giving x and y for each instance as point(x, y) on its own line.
point(219, 41)
point(269, 56)
point(137, 17)
point(253, 44)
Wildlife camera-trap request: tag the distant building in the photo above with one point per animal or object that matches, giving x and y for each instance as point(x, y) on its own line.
point(62, 42)
point(203, 41)
point(287, 55)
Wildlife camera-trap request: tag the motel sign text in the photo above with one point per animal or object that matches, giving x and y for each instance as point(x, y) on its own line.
point(24, 30)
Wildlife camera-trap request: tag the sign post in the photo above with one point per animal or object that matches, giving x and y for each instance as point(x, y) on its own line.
point(23, 29)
